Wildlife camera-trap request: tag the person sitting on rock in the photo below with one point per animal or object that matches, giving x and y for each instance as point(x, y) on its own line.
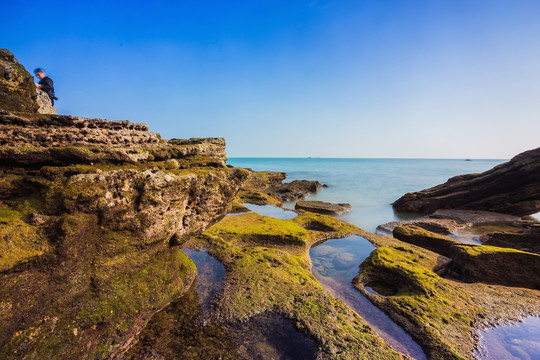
point(45, 84)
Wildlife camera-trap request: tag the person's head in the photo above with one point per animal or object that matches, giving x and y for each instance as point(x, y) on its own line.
point(40, 73)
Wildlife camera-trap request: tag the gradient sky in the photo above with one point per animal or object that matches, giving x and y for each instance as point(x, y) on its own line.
point(403, 78)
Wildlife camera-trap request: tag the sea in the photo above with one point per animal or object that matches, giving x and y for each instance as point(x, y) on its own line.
point(369, 185)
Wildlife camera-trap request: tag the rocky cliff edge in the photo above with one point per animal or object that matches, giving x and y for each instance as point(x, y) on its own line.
point(91, 215)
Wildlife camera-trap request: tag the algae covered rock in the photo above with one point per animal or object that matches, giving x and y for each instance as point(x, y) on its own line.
point(428, 240)
point(258, 188)
point(91, 213)
point(17, 89)
point(494, 265)
point(268, 269)
point(423, 303)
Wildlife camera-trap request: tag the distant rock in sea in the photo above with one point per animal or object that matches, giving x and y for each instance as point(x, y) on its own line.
point(510, 188)
point(322, 207)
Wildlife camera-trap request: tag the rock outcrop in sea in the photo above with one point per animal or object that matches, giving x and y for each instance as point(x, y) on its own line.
point(510, 188)
point(322, 207)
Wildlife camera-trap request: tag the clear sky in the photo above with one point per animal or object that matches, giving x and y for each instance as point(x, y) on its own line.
point(349, 78)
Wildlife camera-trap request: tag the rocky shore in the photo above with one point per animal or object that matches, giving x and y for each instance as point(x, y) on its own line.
point(94, 215)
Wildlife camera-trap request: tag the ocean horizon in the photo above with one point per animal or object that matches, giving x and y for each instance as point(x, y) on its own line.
point(370, 185)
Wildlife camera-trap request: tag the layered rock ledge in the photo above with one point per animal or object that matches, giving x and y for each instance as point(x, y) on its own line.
point(91, 216)
point(92, 213)
point(510, 188)
point(322, 207)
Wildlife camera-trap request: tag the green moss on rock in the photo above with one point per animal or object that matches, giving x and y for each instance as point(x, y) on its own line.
point(429, 240)
point(495, 265)
point(423, 303)
point(19, 242)
point(248, 229)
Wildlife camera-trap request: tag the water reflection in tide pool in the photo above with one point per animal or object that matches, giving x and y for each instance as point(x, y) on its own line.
point(271, 336)
point(269, 210)
point(335, 264)
point(210, 273)
point(185, 330)
point(182, 329)
point(519, 341)
point(272, 211)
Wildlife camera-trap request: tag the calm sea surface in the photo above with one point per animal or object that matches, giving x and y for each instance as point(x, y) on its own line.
point(369, 185)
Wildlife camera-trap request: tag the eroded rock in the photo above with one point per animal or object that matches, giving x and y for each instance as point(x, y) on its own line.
point(494, 265)
point(428, 240)
point(322, 207)
point(17, 89)
point(297, 189)
point(510, 188)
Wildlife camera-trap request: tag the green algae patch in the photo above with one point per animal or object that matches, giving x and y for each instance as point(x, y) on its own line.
point(429, 240)
point(424, 304)
point(325, 226)
point(252, 228)
point(175, 333)
point(236, 207)
point(19, 242)
point(495, 265)
point(258, 188)
point(259, 198)
point(262, 279)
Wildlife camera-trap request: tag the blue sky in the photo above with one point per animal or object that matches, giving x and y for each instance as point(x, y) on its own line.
point(403, 78)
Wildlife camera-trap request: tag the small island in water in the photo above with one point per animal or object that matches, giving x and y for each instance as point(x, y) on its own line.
point(118, 244)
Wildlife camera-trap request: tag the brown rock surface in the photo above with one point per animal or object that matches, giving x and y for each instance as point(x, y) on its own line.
point(17, 89)
point(322, 207)
point(44, 103)
point(297, 189)
point(510, 188)
point(39, 139)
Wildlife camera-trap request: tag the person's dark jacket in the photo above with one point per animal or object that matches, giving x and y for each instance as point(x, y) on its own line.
point(47, 86)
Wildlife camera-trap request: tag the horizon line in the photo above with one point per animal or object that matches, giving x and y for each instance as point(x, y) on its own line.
point(358, 158)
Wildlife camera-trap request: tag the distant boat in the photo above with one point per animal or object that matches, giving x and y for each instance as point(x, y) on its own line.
point(468, 160)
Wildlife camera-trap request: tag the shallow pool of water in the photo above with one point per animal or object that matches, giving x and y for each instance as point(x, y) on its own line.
point(519, 341)
point(272, 211)
point(185, 330)
point(270, 336)
point(210, 273)
point(335, 263)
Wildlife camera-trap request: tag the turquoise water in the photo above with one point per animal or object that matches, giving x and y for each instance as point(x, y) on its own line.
point(369, 185)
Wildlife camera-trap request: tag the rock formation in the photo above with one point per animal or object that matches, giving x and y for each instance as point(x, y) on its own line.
point(17, 89)
point(510, 188)
point(258, 189)
point(322, 207)
point(297, 189)
point(91, 213)
point(44, 103)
